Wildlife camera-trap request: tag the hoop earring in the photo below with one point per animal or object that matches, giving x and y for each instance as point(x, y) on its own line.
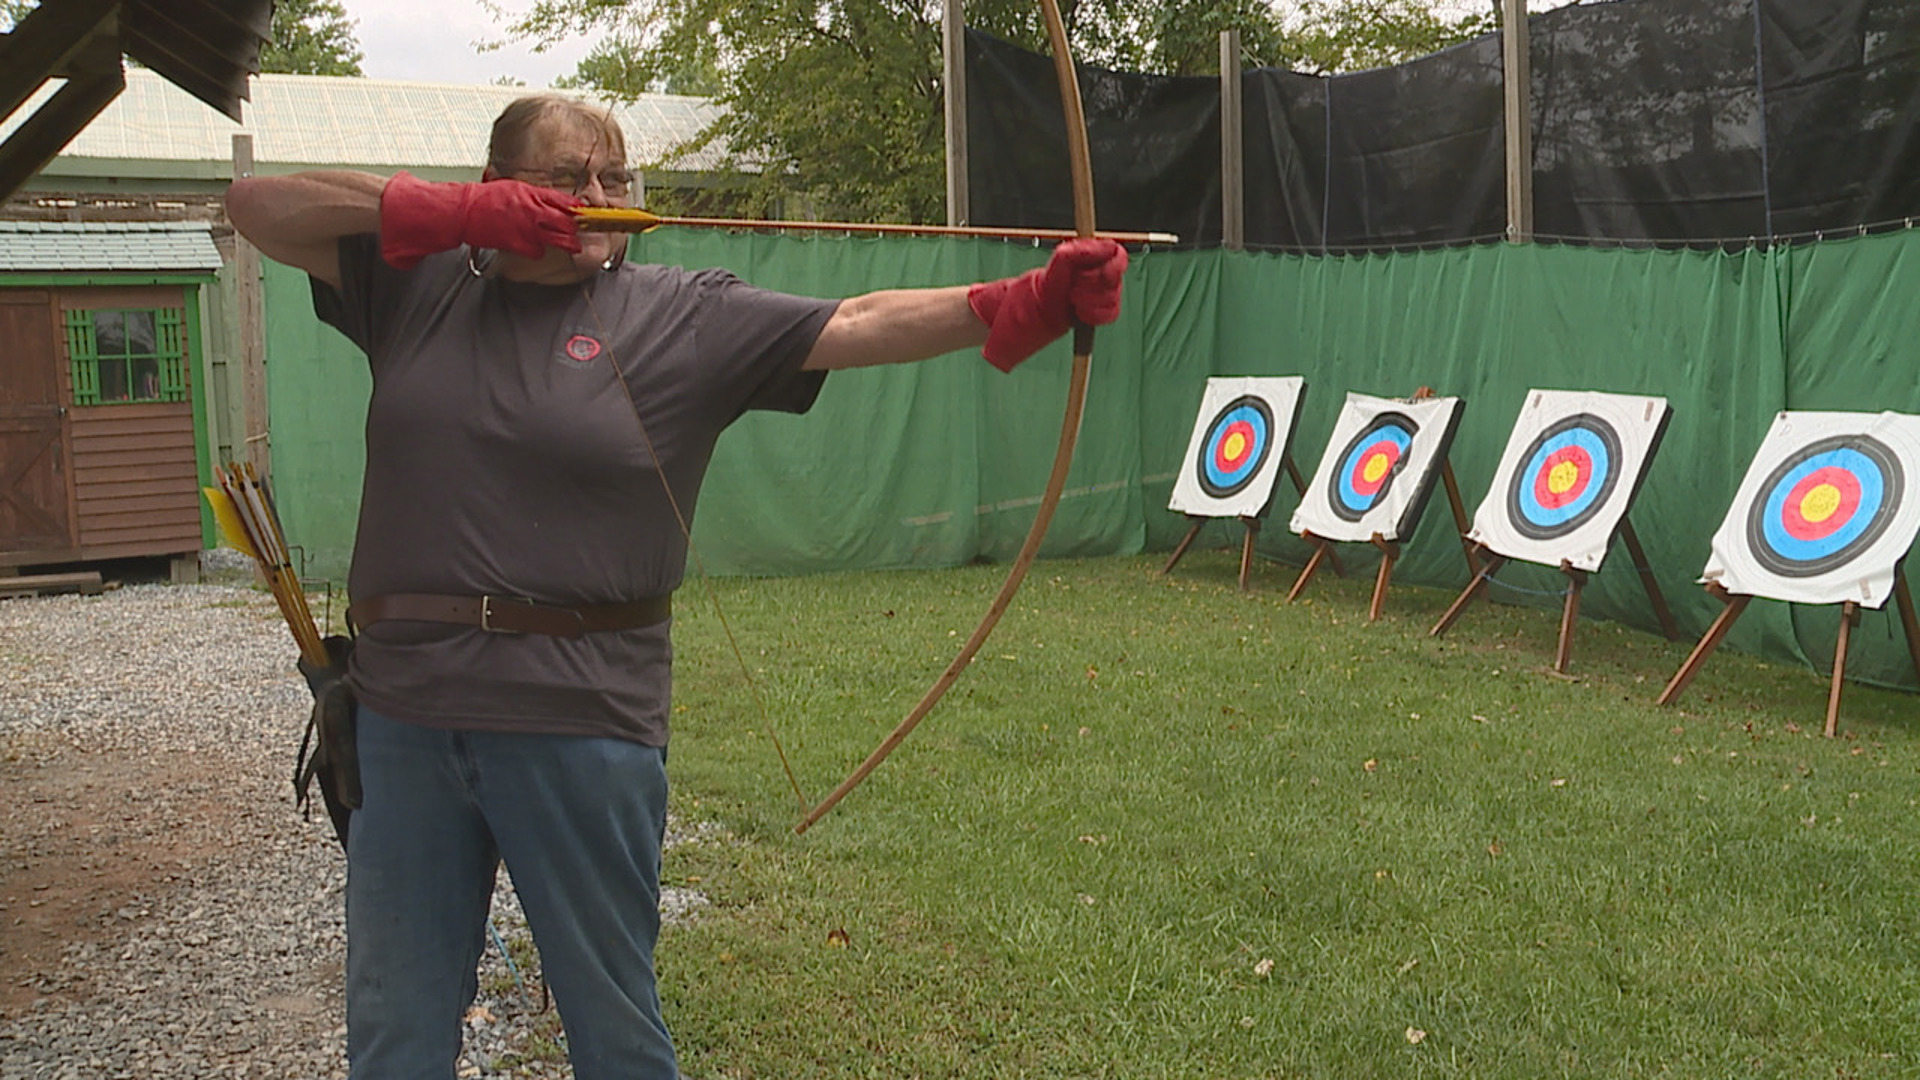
point(615, 260)
point(481, 268)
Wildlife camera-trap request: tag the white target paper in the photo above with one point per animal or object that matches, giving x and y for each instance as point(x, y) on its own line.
point(1380, 466)
point(1828, 508)
point(1239, 440)
point(1572, 466)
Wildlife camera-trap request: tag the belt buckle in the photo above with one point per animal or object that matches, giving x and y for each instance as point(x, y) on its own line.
point(486, 611)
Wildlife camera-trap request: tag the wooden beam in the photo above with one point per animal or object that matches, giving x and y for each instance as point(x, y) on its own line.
point(251, 315)
point(1518, 74)
point(954, 71)
point(45, 43)
point(54, 124)
point(1233, 186)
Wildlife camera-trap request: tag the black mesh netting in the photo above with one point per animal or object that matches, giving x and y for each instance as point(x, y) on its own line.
point(1660, 120)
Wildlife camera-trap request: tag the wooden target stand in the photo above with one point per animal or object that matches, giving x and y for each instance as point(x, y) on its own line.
point(1576, 581)
point(1389, 549)
point(1736, 603)
point(1253, 530)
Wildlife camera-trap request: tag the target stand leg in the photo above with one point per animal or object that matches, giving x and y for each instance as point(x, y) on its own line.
point(1576, 581)
point(1461, 524)
point(1321, 552)
point(1849, 618)
point(1246, 549)
point(1389, 552)
point(1480, 578)
point(1708, 642)
point(1639, 556)
point(1909, 622)
point(1300, 485)
point(1186, 542)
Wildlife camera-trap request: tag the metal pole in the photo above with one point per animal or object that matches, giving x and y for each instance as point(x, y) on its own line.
point(1518, 78)
point(1233, 188)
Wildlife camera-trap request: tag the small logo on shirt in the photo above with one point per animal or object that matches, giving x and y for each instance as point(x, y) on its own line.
point(582, 349)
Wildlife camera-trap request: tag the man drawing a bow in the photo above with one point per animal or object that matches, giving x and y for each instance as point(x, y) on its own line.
point(541, 419)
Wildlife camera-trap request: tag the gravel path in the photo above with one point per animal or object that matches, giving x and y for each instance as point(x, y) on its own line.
point(164, 911)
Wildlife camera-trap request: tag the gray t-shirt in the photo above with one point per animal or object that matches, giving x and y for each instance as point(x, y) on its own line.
point(503, 458)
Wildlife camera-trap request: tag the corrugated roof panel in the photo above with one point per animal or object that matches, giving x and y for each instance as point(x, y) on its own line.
point(345, 122)
point(43, 246)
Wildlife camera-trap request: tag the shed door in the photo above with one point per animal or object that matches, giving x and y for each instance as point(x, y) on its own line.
point(33, 472)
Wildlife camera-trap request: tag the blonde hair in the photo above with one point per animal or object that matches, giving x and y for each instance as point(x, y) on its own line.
point(515, 124)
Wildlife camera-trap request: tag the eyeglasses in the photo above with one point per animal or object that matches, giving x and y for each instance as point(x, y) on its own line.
point(614, 181)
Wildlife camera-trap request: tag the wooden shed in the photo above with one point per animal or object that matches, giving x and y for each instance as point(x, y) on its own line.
point(103, 444)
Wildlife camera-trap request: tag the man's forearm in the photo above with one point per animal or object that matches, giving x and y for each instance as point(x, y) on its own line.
point(299, 218)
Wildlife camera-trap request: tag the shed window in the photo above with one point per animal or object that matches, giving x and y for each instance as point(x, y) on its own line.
point(126, 355)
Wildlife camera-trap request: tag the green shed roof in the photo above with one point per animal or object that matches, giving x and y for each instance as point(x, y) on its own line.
point(44, 246)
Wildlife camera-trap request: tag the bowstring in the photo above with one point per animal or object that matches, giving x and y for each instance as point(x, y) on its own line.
point(680, 517)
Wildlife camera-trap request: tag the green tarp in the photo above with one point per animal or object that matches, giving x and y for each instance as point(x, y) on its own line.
point(942, 463)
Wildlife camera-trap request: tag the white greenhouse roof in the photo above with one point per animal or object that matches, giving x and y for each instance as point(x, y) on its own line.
point(317, 120)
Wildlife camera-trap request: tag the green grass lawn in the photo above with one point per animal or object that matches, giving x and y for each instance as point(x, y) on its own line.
point(1164, 829)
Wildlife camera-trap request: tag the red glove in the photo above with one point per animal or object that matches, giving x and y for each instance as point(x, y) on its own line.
point(1023, 314)
point(418, 218)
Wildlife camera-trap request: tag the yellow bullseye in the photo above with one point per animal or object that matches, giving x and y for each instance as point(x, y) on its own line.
point(1375, 468)
point(1562, 477)
point(1820, 503)
point(1234, 447)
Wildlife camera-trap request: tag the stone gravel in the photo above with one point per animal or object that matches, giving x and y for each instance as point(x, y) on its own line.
point(164, 910)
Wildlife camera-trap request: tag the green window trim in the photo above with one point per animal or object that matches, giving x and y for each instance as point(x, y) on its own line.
point(124, 356)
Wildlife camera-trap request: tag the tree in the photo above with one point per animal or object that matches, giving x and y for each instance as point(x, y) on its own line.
point(312, 37)
point(841, 101)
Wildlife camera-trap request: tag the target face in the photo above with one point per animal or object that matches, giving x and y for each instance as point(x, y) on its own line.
point(1565, 476)
point(1824, 504)
point(1370, 463)
point(1237, 443)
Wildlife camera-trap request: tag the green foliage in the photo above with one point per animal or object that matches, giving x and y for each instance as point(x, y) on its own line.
point(1162, 828)
point(12, 11)
point(312, 37)
point(841, 104)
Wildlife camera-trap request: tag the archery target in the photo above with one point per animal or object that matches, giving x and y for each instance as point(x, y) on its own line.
point(1379, 468)
point(1824, 514)
point(1239, 442)
point(1572, 466)
point(1369, 464)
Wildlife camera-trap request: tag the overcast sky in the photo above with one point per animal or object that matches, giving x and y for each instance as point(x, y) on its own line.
point(433, 41)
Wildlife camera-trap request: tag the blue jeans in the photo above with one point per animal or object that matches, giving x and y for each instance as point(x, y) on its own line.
point(579, 823)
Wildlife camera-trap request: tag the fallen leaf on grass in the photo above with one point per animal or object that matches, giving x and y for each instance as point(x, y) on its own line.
point(1415, 1036)
point(1408, 966)
point(1559, 781)
point(839, 939)
point(1370, 764)
point(1494, 849)
point(1264, 968)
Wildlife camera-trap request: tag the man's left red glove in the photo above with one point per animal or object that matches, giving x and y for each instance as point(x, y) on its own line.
point(1023, 314)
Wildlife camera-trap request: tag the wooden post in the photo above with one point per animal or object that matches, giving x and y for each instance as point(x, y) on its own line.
point(1909, 621)
point(1246, 549)
point(1639, 556)
point(1708, 642)
point(953, 54)
point(1300, 485)
point(1321, 550)
point(1233, 188)
point(1461, 524)
point(1518, 74)
point(1185, 542)
point(1849, 616)
point(1492, 566)
point(1576, 581)
point(1389, 552)
point(251, 315)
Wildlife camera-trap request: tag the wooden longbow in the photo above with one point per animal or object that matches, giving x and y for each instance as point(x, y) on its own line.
point(1080, 163)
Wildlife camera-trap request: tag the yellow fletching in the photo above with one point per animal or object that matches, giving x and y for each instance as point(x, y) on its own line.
point(623, 218)
point(227, 516)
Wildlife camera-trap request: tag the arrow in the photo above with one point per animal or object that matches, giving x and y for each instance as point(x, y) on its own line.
point(623, 219)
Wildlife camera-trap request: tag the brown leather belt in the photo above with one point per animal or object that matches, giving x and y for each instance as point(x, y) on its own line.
point(511, 615)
